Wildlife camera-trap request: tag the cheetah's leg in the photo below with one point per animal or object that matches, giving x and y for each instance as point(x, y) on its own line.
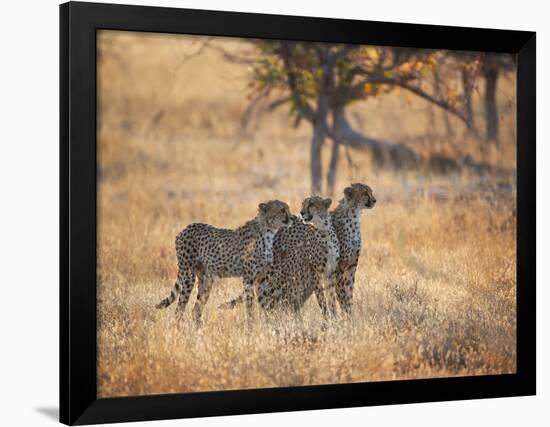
point(185, 279)
point(233, 303)
point(320, 295)
point(249, 300)
point(344, 290)
point(205, 284)
point(263, 296)
point(332, 282)
point(188, 281)
point(257, 284)
point(269, 295)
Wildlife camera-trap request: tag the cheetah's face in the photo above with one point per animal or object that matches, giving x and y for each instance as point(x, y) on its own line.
point(360, 196)
point(275, 214)
point(315, 209)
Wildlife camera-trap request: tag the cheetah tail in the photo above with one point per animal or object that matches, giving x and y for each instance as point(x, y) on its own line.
point(170, 299)
point(233, 303)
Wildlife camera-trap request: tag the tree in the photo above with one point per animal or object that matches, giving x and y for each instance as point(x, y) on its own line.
point(492, 66)
point(320, 80)
point(488, 66)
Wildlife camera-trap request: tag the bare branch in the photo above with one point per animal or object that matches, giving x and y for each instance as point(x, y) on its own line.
point(439, 102)
point(232, 57)
point(277, 103)
point(255, 109)
point(190, 56)
point(249, 111)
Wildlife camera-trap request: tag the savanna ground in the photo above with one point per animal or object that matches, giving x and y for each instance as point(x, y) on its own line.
point(435, 287)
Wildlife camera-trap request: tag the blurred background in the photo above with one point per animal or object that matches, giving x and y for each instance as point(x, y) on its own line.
point(340, 106)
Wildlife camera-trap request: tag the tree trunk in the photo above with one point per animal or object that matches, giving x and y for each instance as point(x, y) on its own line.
point(491, 113)
point(316, 165)
point(320, 122)
point(467, 87)
point(333, 166)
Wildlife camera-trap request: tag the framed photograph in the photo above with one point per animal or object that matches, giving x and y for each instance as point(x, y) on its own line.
point(267, 213)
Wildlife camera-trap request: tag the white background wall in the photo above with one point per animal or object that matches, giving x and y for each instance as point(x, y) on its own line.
point(29, 209)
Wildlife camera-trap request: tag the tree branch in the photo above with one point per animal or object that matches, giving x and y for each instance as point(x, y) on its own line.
point(303, 108)
point(346, 93)
point(248, 112)
point(277, 103)
point(344, 51)
point(199, 51)
point(355, 91)
point(232, 57)
point(439, 102)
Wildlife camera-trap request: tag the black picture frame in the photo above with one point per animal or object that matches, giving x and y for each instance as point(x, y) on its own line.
point(78, 398)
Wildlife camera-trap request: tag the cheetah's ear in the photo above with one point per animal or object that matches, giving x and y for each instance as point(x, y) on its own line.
point(348, 192)
point(263, 207)
point(326, 203)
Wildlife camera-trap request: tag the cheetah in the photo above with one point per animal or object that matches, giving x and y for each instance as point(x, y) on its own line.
point(309, 263)
point(346, 220)
point(209, 253)
point(305, 257)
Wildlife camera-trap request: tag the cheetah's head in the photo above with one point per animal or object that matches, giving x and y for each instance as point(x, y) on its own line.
point(275, 214)
point(315, 209)
point(360, 196)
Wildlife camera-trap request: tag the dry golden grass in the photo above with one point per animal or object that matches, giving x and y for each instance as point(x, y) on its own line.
point(435, 288)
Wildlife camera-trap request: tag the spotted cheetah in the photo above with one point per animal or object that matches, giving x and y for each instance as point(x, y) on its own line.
point(209, 253)
point(346, 220)
point(309, 263)
point(305, 257)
